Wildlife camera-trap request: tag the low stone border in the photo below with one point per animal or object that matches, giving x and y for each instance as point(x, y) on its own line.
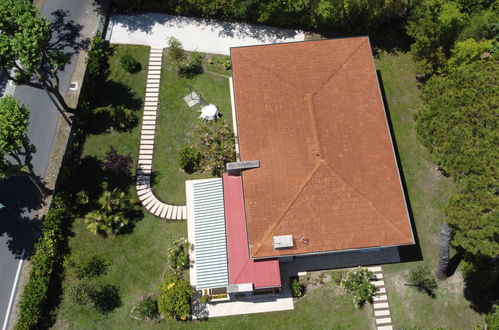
point(144, 166)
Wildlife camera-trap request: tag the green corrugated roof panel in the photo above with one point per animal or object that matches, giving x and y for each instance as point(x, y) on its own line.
point(210, 242)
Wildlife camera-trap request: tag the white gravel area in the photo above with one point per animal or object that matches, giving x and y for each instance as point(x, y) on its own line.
point(196, 34)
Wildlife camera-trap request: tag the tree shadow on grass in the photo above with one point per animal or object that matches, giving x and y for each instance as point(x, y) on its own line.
point(116, 93)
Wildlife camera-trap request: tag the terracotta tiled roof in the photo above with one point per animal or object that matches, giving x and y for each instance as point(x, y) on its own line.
point(312, 114)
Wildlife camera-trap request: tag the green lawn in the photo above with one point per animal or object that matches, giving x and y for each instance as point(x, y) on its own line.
point(176, 120)
point(138, 259)
point(428, 192)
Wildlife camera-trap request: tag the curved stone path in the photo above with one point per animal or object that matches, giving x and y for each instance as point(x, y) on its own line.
point(380, 301)
point(144, 166)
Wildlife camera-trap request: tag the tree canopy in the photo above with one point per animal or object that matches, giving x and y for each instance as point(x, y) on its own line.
point(459, 121)
point(14, 142)
point(32, 51)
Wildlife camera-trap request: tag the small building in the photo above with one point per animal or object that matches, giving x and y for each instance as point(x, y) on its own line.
point(312, 115)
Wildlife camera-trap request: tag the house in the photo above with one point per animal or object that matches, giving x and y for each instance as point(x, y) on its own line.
point(311, 115)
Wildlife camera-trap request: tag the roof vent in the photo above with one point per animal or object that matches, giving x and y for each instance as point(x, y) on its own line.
point(283, 242)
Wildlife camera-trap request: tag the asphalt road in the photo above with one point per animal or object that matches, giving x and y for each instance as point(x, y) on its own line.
point(18, 198)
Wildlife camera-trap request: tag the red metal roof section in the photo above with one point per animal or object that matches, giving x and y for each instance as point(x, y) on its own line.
point(242, 269)
point(312, 114)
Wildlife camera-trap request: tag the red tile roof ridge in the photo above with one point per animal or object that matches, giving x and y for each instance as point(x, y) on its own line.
point(341, 66)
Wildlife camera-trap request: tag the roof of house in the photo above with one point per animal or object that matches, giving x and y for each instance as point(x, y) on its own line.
point(312, 114)
point(242, 269)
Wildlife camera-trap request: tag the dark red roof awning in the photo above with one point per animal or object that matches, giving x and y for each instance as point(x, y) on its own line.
point(242, 269)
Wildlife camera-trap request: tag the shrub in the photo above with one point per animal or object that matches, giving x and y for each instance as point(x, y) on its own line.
point(204, 299)
point(148, 308)
point(82, 198)
point(117, 163)
point(358, 284)
point(129, 64)
point(47, 252)
point(174, 298)
point(81, 293)
point(123, 118)
point(297, 288)
point(178, 256)
point(89, 267)
point(421, 279)
point(227, 64)
point(189, 159)
point(111, 217)
point(195, 65)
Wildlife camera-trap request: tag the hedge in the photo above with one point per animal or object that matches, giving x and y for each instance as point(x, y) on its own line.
point(47, 250)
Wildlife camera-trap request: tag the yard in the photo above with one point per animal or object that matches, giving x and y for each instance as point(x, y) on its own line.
point(176, 120)
point(138, 259)
point(428, 191)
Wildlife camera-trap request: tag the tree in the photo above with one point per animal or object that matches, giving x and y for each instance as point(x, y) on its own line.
point(14, 142)
point(176, 54)
point(434, 25)
point(473, 213)
point(28, 53)
point(111, 217)
point(421, 279)
point(174, 298)
point(467, 51)
point(458, 123)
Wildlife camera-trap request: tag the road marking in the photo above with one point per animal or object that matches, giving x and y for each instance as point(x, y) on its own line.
point(11, 300)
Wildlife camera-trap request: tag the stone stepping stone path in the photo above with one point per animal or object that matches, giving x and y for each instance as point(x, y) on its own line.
point(380, 301)
point(144, 166)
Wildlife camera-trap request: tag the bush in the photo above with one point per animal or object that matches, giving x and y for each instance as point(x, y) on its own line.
point(297, 288)
point(421, 279)
point(89, 267)
point(175, 298)
point(47, 253)
point(129, 64)
point(117, 163)
point(97, 61)
point(189, 159)
point(215, 143)
point(178, 256)
point(358, 284)
point(148, 308)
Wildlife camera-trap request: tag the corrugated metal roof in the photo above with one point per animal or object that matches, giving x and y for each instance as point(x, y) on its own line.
point(210, 244)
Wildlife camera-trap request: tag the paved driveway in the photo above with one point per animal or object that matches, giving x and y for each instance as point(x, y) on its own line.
point(196, 34)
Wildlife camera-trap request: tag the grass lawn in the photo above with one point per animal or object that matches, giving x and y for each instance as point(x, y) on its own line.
point(428, 193)
point(176, 120)
point(138, 259)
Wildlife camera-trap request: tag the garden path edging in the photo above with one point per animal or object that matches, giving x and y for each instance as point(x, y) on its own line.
point(146, 151)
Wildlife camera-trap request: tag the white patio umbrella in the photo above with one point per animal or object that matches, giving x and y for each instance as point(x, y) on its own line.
point(209, 112)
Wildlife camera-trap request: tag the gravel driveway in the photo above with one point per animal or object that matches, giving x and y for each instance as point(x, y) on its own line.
point(196, 34)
